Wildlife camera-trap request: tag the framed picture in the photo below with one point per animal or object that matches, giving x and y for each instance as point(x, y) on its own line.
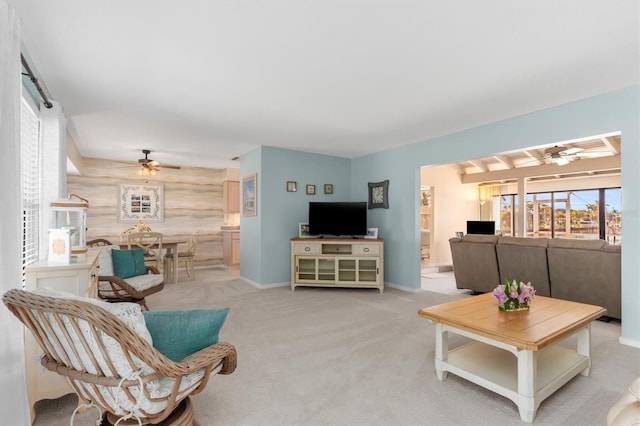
point(379, 194)
point(292, 186)
point(59, 246)
point(303, 230)
point(328, 188)
point(250, 195)
point(140, 202)
point(372, 233)
point(311, 190)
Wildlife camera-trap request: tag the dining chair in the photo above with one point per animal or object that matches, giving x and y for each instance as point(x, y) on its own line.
point(151, 243)
point(183, 256)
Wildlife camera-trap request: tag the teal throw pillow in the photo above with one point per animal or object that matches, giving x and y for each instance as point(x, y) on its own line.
point(128, 263)
point(178, 334)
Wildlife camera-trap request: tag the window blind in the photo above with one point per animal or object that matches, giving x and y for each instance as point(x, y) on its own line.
point(30, 181)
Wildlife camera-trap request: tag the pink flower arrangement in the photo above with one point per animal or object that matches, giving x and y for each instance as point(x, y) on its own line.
point(514, 295)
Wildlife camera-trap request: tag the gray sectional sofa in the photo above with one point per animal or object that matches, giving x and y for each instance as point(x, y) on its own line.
point(586, 271)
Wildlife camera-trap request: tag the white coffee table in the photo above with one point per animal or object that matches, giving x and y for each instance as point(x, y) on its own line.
point(514, 353)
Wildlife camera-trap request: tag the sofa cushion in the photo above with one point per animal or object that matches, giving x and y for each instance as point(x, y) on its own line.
point(524, 259)
point(475, 264)
point(610, 248)
point(128, 263)
point(577, 244)
point(178, 334)
point(586, 276)
point(524, 241)
point(480, 238)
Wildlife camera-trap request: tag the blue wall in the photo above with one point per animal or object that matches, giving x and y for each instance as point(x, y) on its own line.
point(280, 212)
point(399, 225)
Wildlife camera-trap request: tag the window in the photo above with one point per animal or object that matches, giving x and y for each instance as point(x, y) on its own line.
point(506, 215)
point(581, 214)
point(613, 215)
point(30, 181)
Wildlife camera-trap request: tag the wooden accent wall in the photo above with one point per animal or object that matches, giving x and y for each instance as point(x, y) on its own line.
point(192, 202)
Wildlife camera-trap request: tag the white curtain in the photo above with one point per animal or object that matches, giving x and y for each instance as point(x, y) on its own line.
point(13, 403)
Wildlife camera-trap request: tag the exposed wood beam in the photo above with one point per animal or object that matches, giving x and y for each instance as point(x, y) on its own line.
point(611, 143)
point(458, 168)
point(505, 161)
point(535, 156)
point(584, 165)
point(480, 165)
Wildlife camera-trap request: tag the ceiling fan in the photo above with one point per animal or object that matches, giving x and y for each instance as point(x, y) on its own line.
point(562, 155)
point(147, 166)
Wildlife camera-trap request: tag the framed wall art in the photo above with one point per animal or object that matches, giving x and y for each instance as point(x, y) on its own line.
point(292, 186)
point(328, 188)
point(379, 194)
point(311, 190)
point(250, 195)
point(140, 201)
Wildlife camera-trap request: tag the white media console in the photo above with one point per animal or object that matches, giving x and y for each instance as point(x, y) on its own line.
point(337, 262)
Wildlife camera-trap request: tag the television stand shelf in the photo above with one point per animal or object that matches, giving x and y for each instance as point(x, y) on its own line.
point(337, 262)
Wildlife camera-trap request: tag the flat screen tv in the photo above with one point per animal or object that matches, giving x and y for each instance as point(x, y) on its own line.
point(338, 218)
point(487, 227)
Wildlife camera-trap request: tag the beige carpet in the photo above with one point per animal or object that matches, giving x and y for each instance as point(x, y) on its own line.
point(355, 357)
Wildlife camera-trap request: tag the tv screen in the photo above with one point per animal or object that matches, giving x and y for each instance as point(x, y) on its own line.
point(487, 227)
point(338, 218)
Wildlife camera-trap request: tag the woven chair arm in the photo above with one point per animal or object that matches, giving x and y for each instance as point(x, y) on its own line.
point(212, 355)
point(153, 270)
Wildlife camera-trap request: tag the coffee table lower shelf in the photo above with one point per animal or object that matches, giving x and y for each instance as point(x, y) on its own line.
point(498, 370)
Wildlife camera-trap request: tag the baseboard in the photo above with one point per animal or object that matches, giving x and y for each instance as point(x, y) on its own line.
point(629, 342)
point(265, 286)
point(404, 288)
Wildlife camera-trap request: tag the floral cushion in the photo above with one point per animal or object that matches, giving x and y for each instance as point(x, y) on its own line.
point(105, 260)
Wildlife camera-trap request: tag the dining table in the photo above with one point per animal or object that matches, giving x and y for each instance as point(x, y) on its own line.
point(171, 245)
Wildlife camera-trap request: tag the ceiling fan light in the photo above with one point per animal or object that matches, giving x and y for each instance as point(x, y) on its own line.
point(561, 161)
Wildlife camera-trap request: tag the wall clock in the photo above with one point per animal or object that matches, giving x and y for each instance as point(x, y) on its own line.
point(379, 194)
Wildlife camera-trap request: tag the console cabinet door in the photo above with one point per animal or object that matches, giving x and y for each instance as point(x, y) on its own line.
point(320, 270)
point(358, 270)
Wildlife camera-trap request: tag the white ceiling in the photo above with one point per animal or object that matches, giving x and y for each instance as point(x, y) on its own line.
point(199, 82)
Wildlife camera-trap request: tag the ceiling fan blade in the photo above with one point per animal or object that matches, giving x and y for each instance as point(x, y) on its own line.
point(167, 166)
point(572, 151)
point(594, 154)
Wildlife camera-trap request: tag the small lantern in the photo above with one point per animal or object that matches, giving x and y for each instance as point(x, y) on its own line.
point(71, 214)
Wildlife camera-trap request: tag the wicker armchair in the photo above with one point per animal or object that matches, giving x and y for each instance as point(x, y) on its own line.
point(112, 288)
point(115, 289)
point(109, 361)
point(99, 242)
